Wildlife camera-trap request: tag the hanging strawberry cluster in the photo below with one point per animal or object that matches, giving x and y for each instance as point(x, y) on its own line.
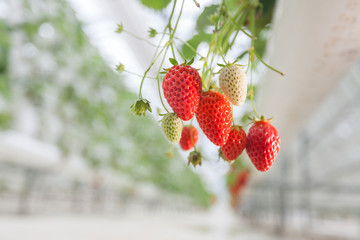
point(196, 96)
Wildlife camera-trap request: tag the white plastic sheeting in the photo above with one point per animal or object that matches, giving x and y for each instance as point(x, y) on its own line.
point(314, 43)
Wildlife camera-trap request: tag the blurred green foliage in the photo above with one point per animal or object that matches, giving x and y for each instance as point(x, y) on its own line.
point(205, 25)
point(155, 4)
point(237, 167)
point(64, 76)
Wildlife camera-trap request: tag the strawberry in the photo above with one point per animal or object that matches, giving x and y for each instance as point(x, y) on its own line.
point(182, 88)
point(240, 182)
point(235, 144)
point(171, 125)
point(263, 144)
point(233, 82)
point(214, 115)
point(189, 137)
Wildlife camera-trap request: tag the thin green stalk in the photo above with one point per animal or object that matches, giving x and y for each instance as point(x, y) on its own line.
point(180, 53)
point(239, 28)
point(233, 41)
point(191, 134)
point(249, 62)
point(172, 49)
point(222, 55)
point(166, 27)
point(156, 54)
point(241, 16)
point(158, 80)
point(148, 69)
point(188, 45)
point(252, 29)
point(177, 21)
point(252, 93)
point(203, 77)
point(135, 74)
point(140, 38)
point(267, 65)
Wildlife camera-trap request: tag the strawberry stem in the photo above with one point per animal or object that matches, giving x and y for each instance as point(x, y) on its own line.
point(237, 25)
point(140, 38)
point(137, 75)
point(267, 65)
point(181, 55)
point(191, 134)
point(252, 92)
point(251, 59)
point(148, 69)
point(158, 80)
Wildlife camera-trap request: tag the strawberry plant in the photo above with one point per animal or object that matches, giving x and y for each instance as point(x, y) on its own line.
point(212, 92)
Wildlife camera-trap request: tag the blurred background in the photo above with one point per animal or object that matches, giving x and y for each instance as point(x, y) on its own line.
point(75, 163)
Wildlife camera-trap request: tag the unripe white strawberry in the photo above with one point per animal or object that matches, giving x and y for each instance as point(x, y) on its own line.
point(172, 126)
point(233, 82)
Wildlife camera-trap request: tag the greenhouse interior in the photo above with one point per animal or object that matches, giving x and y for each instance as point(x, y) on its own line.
point(179, 119)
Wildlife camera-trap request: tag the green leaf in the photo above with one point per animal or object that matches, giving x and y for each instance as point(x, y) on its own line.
point(5, 87)
point(191, 61)
point(206, 18)
point(242, 55)
point(221, 65)
point(191, 45)
point(173, 61)
point(120, 28)
point(155, 4)
point(6, 120)
point(152, 32)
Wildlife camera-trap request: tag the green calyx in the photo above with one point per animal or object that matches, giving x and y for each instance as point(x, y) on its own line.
point(194, 158)
point(120, 67)
point(120, 28)
point(152, 32)
point(174, 62)
point(141, 106)
point(236, 127)
point(261, 118)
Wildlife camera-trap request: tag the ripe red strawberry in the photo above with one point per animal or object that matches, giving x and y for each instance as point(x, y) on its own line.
point(182, 88)
point(233, 82)
point(186, 143)
point(235, 144)
point(214, 115)
point(263, 144)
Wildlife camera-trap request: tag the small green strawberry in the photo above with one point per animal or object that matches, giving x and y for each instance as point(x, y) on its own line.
point(233, 82)
point(172, 126)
